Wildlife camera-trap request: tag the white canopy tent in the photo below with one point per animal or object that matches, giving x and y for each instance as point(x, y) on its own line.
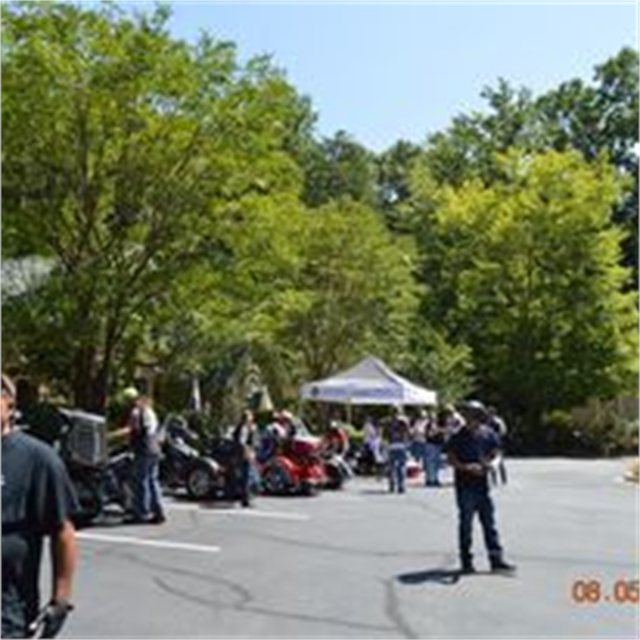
point(371, 381)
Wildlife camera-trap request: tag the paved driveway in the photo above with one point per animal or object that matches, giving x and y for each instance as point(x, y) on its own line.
point(366, 564)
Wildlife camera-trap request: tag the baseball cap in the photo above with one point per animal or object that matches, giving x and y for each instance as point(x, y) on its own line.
point(130, 393)
point(475, 404)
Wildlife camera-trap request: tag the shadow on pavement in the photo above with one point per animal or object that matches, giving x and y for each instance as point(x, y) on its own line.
point(439, 576)
point(373, 492)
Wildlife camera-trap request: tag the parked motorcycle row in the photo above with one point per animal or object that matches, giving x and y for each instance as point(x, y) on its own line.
point(301, 464)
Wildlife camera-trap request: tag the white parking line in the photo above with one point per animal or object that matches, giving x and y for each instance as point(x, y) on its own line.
point(249, 513)
point(147, 542)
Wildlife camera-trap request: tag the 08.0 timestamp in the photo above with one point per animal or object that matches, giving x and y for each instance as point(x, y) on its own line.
point(622, 591)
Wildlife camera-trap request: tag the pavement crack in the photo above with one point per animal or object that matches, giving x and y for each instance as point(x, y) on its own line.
point(244, 595)
point(274, 613)
point(393, 612)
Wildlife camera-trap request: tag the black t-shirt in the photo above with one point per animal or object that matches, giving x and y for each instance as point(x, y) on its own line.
point(472, 446)
point(398, 431)
point(37, 497)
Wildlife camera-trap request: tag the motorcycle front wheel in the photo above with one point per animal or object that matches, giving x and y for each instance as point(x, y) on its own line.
point(276, 480)
point(90, 501)
point(201, 482)
point(335, 477)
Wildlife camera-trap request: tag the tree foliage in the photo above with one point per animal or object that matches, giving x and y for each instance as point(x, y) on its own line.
point(526, 272)
point(338, 167)
point(196, 224)
point(352, 291)
point(128, 156)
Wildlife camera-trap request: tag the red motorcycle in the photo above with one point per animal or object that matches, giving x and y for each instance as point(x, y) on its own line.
point(291, 463)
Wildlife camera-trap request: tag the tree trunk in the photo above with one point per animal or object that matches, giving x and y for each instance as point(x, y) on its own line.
point(90, 380)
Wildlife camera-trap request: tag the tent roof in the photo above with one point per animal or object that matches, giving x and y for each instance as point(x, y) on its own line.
point(370, 381)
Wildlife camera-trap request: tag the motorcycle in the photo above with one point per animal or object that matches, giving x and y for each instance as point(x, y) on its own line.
point(99, 487)
point(367, 461)
point(101, 479)
point(291, 464)
point(183, 466)
point(334, 447)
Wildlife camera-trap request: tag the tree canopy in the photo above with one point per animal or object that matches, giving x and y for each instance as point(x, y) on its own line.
point(194, 223)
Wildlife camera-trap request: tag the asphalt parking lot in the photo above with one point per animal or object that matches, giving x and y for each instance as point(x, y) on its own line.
point(366, 564)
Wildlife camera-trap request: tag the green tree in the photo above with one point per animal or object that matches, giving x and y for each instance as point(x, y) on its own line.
point(354, 289)
point(526, 272)
point(602, 116)
point(433, 361)
point(591, 118)
point(471, 145)
point(338, 167)
point(394, 185)
point(131, 159)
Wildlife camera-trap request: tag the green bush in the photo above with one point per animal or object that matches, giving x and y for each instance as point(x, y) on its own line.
point(558, 434)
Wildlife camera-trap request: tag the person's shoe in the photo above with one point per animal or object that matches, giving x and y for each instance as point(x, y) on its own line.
point(467, 568)
point(157, 519)
point(500, 566)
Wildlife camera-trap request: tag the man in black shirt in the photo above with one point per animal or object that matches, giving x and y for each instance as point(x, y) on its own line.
point(37, 501)
point(470, 452)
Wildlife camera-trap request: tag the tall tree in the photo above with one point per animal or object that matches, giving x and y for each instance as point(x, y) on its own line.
point(591, 118)
point(603, 116)
point(394, 185)
point(355, 290)
point(470, 146)
point(128, 156)
point(526, 272)
point(338, 167)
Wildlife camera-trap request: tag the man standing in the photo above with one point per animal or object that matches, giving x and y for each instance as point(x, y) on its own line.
point(37, 502)
point(144, 438)
point(397, 437)
point(470, 452)
point(244, 436)
point(435, 438)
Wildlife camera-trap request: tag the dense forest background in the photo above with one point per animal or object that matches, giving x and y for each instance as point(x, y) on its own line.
point(169, 213)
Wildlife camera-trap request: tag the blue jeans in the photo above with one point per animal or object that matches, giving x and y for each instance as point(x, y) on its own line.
point(432, 453)
point(147, 499)
point(469, 500)
point(397, 467)
point(417, 450)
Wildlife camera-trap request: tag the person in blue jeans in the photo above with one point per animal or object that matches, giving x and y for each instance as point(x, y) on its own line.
point(144, 439)
point(434, 439)
point(470, 452)
point(397, 436)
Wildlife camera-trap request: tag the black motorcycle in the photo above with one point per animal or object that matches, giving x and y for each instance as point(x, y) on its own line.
point(182, 466)
point(103, 486)
point(101, 479)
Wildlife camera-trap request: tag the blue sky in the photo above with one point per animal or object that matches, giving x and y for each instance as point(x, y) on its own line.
point(388, 71)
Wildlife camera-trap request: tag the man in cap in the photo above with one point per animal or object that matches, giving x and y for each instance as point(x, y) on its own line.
point(470, 452)
point(143, 429)
point(37, 502)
